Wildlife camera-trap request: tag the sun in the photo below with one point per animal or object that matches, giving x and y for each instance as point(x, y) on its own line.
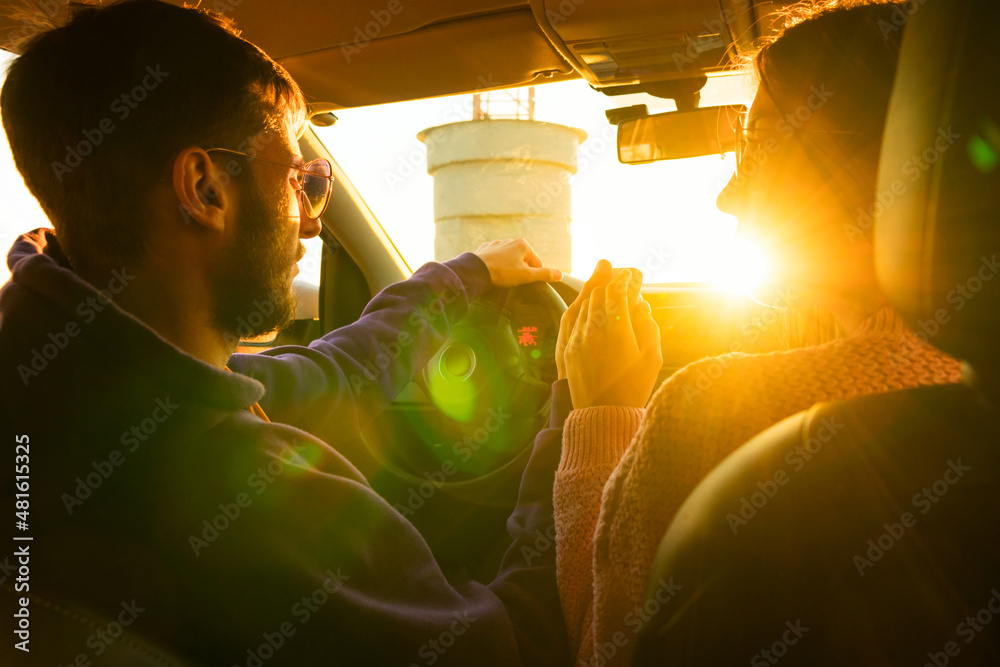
point(742, 267)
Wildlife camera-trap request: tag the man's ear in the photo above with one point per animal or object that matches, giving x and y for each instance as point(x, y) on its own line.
point(201, 189)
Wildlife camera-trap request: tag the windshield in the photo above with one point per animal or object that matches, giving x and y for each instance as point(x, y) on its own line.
point(658, 217)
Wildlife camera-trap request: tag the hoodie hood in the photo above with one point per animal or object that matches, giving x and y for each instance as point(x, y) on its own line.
point(50, 318)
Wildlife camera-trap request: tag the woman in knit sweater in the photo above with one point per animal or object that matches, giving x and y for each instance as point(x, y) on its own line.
point(805, 190)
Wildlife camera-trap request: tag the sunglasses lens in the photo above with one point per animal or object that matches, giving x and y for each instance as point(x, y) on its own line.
point(316, 185)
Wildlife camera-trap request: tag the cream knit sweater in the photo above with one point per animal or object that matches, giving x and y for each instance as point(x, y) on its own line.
point(622, 478)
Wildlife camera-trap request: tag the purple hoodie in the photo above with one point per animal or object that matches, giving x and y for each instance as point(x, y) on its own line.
point(151, 481)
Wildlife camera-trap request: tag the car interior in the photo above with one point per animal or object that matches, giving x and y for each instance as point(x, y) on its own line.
point(346, 58)
point(919, 578)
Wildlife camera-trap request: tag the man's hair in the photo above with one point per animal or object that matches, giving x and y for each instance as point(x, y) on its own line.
point(96, 110)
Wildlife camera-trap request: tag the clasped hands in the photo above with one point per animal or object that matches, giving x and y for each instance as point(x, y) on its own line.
point(609, 346)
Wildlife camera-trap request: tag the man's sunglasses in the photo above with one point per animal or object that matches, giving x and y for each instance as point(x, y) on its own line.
point(314, 181)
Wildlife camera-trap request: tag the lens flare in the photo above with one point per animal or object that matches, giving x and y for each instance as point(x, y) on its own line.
point(742, 267)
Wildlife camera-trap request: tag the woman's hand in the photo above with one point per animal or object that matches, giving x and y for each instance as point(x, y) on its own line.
point(612, 351)
point(602, 275)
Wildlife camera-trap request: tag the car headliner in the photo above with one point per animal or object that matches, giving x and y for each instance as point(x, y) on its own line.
point(361, 52)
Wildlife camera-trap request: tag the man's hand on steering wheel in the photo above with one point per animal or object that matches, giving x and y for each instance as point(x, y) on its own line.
point(512, 262)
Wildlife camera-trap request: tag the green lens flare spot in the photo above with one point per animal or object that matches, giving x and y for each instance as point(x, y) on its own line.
point(536, 354)
point(983, 157)
point(304, 454)
point(455, 399)
point(458, 361)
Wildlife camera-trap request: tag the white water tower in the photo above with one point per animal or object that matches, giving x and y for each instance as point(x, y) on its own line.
point(503, 175)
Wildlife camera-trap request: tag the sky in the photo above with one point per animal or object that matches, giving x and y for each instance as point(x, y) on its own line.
point(658, 217)
point(21, 212)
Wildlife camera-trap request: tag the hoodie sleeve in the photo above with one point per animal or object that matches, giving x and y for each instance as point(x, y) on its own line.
point(356, 584)
point(352, 373)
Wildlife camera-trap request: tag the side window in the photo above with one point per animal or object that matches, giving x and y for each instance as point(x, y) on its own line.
point(21, 212)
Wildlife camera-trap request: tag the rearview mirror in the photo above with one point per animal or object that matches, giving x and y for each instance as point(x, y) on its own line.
point(681, 134)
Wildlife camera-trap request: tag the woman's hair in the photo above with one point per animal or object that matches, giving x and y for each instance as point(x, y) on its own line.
point(829, 70)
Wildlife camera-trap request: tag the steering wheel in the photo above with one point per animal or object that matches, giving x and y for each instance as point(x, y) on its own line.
point(481, 399)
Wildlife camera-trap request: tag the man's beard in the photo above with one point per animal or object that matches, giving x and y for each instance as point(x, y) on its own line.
point(252, 292)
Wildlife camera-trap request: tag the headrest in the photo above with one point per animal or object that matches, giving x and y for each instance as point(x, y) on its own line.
point(937, 231)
